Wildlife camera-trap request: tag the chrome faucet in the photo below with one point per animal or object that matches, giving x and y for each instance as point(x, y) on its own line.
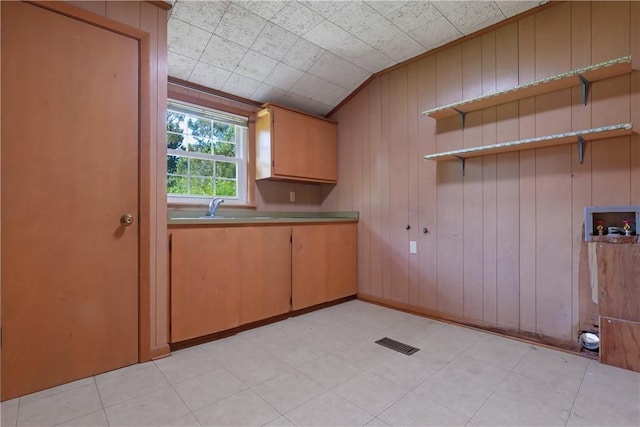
point(214, 205)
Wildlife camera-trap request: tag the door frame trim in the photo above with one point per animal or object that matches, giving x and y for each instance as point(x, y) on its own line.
point(146, 200)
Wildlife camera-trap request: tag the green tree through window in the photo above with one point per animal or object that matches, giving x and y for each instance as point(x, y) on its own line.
point(205, 153)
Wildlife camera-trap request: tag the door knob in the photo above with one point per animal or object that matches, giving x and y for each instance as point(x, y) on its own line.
point(126, 220)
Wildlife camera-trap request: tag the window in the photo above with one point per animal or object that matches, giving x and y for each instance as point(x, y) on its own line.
point(206, 154)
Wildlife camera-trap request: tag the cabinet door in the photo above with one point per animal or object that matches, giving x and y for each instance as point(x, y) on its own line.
point(205, 270)
point(265, 280)
point(303, 147)
point(620, 343)
point(322, 150)
point(324, 263)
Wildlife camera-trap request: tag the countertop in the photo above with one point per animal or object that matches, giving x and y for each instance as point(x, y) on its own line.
point(230, 217)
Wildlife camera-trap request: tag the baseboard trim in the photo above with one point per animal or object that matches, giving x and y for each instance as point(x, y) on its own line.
point(527, 337)
point(160, 352)
point(233, 331)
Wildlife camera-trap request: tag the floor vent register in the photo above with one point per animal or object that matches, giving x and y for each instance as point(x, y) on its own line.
point(397, 346)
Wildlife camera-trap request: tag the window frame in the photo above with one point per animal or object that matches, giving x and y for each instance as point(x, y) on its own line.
point(244, 161)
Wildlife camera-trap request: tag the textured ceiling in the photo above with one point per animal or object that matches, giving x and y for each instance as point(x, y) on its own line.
point(310, 55)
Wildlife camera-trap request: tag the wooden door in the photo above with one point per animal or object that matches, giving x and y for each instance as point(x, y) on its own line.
point(324, 263)
point(205, 297)
point(70, 97)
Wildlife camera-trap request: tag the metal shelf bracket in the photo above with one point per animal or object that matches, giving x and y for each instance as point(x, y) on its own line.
point(462, 163)
point(581, 149)
point(463, 116)
point(586, 85)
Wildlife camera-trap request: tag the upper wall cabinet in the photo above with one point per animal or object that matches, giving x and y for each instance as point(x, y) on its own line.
point(293, 146)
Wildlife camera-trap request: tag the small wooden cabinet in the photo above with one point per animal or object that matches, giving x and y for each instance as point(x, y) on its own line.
point(225, 277)
point(295, 146)
point(619, 304)
point(324, 266)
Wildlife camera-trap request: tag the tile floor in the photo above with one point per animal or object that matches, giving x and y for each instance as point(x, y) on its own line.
point(323, 369)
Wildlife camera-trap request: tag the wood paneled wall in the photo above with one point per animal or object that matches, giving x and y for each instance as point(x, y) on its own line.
point(501, 247)
point(153, 20)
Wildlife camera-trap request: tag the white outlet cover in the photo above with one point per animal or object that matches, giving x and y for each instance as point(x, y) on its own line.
point(413, 247)
point(292, 196)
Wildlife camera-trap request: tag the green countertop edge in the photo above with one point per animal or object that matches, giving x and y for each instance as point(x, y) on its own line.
point(184, 217)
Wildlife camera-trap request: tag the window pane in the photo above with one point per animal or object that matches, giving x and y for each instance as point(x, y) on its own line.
point(201, 186)
point(175, 141)
point(224, 131)
point(199, 144)
point(226, 188)
point(177, 165)
point(225, 170)
point(201, 167)
point(175, 122)
point(176, 184)
point(224, 149)
point(200, 127)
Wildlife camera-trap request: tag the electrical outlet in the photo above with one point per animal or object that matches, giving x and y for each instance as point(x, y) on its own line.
point(292, 196)
point(413, 247)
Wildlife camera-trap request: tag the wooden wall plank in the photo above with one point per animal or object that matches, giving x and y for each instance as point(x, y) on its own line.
point(398, 186)
point(427, 245)
point(364, 226)
point(527, 229)
point(413, 160)
point(490, 219)
point(508, 219)
point(553, 41)
point(489, 83)
point(610, 30)
point(385, 137)
point(449, 188)
point(584, 310)
point(611, 177)
point(346, 160)
point(472, 68)
point(473, 219)
point(376, 158)
point(528, 261)
point(473, 231)
point(449, 238)
point(507, 56)
point(553, 256)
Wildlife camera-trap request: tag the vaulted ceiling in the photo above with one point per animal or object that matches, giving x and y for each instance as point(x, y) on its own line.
point(310, 55)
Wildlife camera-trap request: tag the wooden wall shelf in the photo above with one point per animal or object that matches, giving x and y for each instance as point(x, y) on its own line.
point(578, 77)
point(580, 136)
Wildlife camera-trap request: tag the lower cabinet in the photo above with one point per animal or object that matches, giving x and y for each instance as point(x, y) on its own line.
point(620, 343)
point(223, 277)
point(324, 263)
